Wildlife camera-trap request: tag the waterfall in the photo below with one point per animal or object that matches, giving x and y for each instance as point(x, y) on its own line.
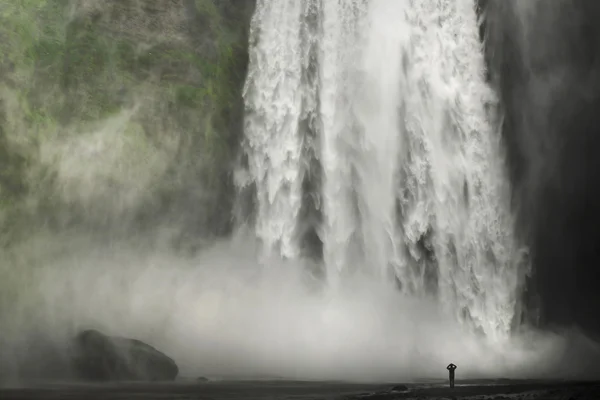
point(389, 99)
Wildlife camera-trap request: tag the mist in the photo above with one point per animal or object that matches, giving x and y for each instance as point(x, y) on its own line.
point(223, 315)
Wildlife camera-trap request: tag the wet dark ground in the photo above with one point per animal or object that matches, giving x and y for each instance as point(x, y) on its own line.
point(294, 390)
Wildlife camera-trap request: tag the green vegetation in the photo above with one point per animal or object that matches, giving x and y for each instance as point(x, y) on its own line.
point(67, 68)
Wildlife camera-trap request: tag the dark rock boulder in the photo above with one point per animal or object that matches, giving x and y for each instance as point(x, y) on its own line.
point(400, 388)
point(101, 357)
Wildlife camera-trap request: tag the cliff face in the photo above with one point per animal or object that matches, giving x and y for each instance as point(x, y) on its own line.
point(544, 63)
point(120, 114)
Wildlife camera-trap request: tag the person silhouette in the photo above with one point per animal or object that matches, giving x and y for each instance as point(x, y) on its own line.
point(451, 367)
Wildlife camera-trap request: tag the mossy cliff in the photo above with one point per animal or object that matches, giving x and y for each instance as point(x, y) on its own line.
point(120, 114)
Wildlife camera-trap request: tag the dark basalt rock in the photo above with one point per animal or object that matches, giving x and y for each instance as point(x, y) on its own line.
point(400, 388)
point(101, 357)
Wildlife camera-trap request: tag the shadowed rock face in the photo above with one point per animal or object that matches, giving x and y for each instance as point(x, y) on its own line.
point(101, 357)
point(543, 60)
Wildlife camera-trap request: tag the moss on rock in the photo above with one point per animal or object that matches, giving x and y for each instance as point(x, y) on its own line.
point(177, 65)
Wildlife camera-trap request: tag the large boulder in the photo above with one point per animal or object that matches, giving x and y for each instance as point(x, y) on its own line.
point(101, 357)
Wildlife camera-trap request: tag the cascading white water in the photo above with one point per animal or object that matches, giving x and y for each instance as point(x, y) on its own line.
point(339, 49)
point(454, 174)
point(413, 176)
point(274, 101)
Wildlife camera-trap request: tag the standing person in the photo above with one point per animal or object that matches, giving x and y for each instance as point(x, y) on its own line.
point(451, 367)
